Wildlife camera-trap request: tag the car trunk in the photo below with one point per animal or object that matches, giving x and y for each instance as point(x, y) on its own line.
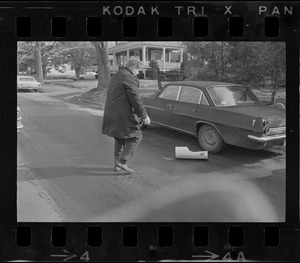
point(274, 114)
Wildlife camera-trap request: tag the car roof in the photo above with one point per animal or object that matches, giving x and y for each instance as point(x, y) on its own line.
point(201, 84)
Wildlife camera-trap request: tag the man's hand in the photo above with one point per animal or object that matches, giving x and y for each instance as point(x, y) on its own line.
point(147, 120)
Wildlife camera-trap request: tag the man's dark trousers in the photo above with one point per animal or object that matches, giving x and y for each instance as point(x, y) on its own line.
point(125, 148)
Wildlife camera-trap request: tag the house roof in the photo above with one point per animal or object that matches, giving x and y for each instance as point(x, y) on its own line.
point(134, 44)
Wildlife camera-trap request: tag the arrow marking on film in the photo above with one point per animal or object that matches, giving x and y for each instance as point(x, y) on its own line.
point(210, 257)
point(70, 256)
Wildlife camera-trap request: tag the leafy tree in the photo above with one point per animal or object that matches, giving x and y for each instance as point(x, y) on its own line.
point(206, 60)
point(243, 66)
point(259, 64)
point(271, 65)
point(52, 57)
point(56, 55)
point(78, 54)
point(25, 54)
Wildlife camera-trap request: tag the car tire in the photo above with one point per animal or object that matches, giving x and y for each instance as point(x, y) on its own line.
point(210, 139)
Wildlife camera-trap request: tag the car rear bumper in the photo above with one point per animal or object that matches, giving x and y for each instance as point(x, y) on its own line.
point(267, 138)
point(28, 88)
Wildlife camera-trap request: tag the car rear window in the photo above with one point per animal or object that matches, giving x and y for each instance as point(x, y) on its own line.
point(224, 96)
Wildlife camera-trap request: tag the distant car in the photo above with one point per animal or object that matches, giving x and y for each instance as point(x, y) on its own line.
point(218, 114)
point(87, 75)
point(19, 118)
point(90, 73)
point(28, 83)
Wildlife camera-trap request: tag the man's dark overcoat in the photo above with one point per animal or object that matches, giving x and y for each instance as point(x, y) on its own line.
point(123, 106)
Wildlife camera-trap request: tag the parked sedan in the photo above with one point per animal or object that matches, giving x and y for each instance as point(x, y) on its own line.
point(218, 114)
point(28, 83)
point(19, 118)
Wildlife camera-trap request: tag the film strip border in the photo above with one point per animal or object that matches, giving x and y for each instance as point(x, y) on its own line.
point(165, 20)
point(194, 21)
point(164, 27)
point(165, 241)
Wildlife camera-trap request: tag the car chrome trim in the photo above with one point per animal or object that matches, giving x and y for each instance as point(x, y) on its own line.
point(156, 108)
point(172, 128)
point(179, 93)
point(277, 130)
point(266, 138)
point(186, 115)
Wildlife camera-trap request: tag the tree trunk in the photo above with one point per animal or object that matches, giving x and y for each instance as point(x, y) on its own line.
point(103, 65)
point(77, 72)
point(274, 91)
point(38, 63)
point(44, 71)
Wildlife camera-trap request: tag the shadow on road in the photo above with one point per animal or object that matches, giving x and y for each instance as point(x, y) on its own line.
point(180, 139)
point(231, 159)
point(63, 171)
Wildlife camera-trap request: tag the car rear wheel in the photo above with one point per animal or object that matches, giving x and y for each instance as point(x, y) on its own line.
point(210, 139)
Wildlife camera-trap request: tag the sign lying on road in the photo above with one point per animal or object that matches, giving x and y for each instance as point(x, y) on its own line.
point(185, 153)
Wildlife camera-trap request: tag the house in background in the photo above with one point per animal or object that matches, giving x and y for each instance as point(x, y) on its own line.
point(169, 55)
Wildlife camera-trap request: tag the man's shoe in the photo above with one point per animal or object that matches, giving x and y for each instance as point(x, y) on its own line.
point(124, 167)
point(117, 169)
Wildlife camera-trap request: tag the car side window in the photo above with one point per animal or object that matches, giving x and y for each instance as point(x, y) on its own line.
point(204, 101)
point(169, 93)
point(190, 95)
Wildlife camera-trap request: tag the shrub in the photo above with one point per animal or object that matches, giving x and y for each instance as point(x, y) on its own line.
point(153, 65)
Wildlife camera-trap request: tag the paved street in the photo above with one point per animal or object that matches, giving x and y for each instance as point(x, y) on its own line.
point(66, 160)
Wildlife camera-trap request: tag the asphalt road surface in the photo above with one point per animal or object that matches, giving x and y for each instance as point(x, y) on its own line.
point(65, 159)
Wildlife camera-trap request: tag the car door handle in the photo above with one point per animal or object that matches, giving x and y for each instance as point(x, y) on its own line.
point(170, 106)
point(193, 110)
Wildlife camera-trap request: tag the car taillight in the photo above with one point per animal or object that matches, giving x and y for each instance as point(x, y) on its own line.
point(266, 130)
point(266, 127)
point(265, 123)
